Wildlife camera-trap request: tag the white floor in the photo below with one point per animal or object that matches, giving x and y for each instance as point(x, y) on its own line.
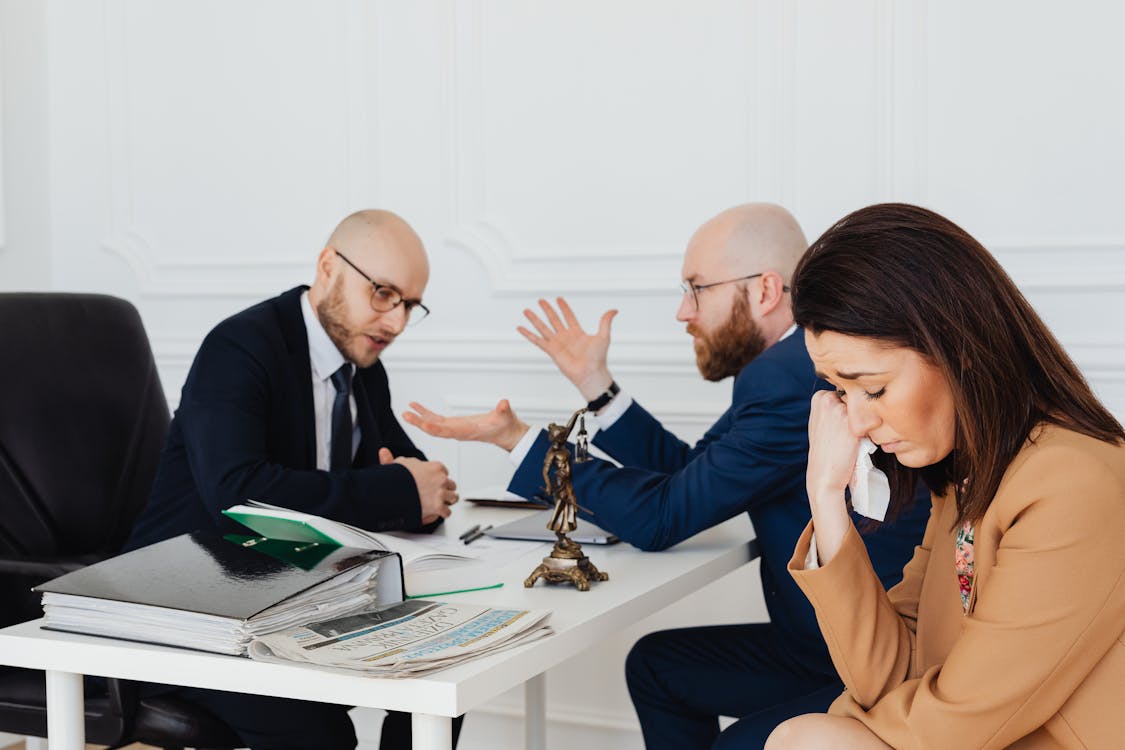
point(494, 731)
point(487, 731)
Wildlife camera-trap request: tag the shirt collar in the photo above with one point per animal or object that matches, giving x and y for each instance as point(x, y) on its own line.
point(324, 357)
point(790, 332)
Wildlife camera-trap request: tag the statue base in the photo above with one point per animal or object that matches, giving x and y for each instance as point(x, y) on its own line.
point(566, 564)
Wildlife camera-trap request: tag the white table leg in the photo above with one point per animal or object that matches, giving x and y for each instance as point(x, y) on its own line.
point(535, 712)
point(66, 725)
point(431, 732)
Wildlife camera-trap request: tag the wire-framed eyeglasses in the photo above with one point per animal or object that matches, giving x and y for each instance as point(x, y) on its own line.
point(385, 298)
point(692, 290)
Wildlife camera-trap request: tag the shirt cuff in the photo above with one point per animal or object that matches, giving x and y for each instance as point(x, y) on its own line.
point(613, 410)
point(523, 447)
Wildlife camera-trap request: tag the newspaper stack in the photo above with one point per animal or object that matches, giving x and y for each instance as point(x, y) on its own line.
point(407, 639)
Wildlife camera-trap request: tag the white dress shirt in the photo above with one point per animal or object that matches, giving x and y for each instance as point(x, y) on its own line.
point(325, 359)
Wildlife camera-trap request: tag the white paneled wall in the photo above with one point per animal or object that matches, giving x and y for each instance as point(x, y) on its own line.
point(193, 157)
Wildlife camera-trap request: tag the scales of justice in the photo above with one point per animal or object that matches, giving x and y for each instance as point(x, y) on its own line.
point(566, 563)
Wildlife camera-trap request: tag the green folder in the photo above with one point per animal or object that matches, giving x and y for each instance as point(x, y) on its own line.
point(297, 542)
point(282, 528)
point(304, 555)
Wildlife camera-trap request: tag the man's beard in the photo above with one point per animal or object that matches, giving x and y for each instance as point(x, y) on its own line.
point(731, 346)
point(331, 312)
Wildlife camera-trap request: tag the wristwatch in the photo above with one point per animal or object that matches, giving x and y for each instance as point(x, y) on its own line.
point(605, 398)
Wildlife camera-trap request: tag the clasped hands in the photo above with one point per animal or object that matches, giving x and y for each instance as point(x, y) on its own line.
point(579, 355)
point(436, 491)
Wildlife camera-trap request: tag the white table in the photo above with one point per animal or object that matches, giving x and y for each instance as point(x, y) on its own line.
point(640, 584)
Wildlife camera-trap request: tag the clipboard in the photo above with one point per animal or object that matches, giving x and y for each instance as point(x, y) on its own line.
point(534, 528)
point(492, 502)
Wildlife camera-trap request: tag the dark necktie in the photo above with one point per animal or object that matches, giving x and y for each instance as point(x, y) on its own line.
point(341, 444)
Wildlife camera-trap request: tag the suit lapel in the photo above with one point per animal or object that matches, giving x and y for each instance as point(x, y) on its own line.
point(297, 342)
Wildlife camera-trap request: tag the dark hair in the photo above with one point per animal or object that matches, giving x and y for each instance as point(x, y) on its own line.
point(907, 276)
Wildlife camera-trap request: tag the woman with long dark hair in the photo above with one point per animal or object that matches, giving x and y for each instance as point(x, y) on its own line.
point(1008, 625)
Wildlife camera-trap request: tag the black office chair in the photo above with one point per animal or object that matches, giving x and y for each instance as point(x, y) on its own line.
point(82, 422)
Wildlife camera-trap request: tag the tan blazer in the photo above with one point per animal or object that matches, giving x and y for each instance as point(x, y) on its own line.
point(1039, 661)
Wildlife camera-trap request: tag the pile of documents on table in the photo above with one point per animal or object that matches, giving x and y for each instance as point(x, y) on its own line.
point(213, 593)
point(404, 639)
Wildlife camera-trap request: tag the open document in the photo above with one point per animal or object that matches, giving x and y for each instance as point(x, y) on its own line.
point(405, 639)
point(432, 565)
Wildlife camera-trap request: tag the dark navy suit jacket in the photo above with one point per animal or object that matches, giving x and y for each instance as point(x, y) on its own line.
point(245, 430)
point(752, 460)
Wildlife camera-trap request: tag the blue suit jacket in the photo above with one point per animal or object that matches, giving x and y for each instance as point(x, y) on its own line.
point(245, 430)
point(752, 460)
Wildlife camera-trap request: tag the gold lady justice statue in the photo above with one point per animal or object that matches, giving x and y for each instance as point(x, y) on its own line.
point(566, 562)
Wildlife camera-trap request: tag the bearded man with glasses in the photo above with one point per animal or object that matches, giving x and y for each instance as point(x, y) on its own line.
point(287, 403)
point(737, 309)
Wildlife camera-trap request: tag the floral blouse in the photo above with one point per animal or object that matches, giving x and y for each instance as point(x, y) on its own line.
point(963, 563)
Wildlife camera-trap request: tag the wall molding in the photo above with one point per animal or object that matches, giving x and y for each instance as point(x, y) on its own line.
point(202, 278)
point(786, 52)
point(886, 94)
point(907, 119)
point(226, 276)
point(1060, 265)
point(773, 105)
point(484, 353)
point(556, 409)
point(621, 269)
point(902, 95)
point(1100, 361)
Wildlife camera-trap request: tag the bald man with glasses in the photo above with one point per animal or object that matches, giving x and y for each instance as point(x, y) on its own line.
point(737, 309)
point(287, 403)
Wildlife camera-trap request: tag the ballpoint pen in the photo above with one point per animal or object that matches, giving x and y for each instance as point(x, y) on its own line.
point(469, 532)
point(476, 534)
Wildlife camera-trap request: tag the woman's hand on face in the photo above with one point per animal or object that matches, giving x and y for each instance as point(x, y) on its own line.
point(832, 448)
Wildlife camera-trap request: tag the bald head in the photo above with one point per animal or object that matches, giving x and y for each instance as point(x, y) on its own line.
point(381, 245)
point(369, 247)
point(751, 238)
point(374, 235)
point(739, 265)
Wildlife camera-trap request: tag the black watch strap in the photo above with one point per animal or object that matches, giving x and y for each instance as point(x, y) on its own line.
point(605, 398)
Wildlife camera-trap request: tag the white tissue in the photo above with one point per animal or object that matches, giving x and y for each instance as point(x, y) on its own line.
point(871, 492)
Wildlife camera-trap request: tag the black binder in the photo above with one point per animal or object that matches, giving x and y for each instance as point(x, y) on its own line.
point(233, 577)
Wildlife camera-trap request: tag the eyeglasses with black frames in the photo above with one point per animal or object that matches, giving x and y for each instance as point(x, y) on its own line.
point(385, 298)
point(692, 290)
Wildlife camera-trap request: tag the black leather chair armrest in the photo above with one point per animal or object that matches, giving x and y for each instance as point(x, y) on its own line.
point(42, 568)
